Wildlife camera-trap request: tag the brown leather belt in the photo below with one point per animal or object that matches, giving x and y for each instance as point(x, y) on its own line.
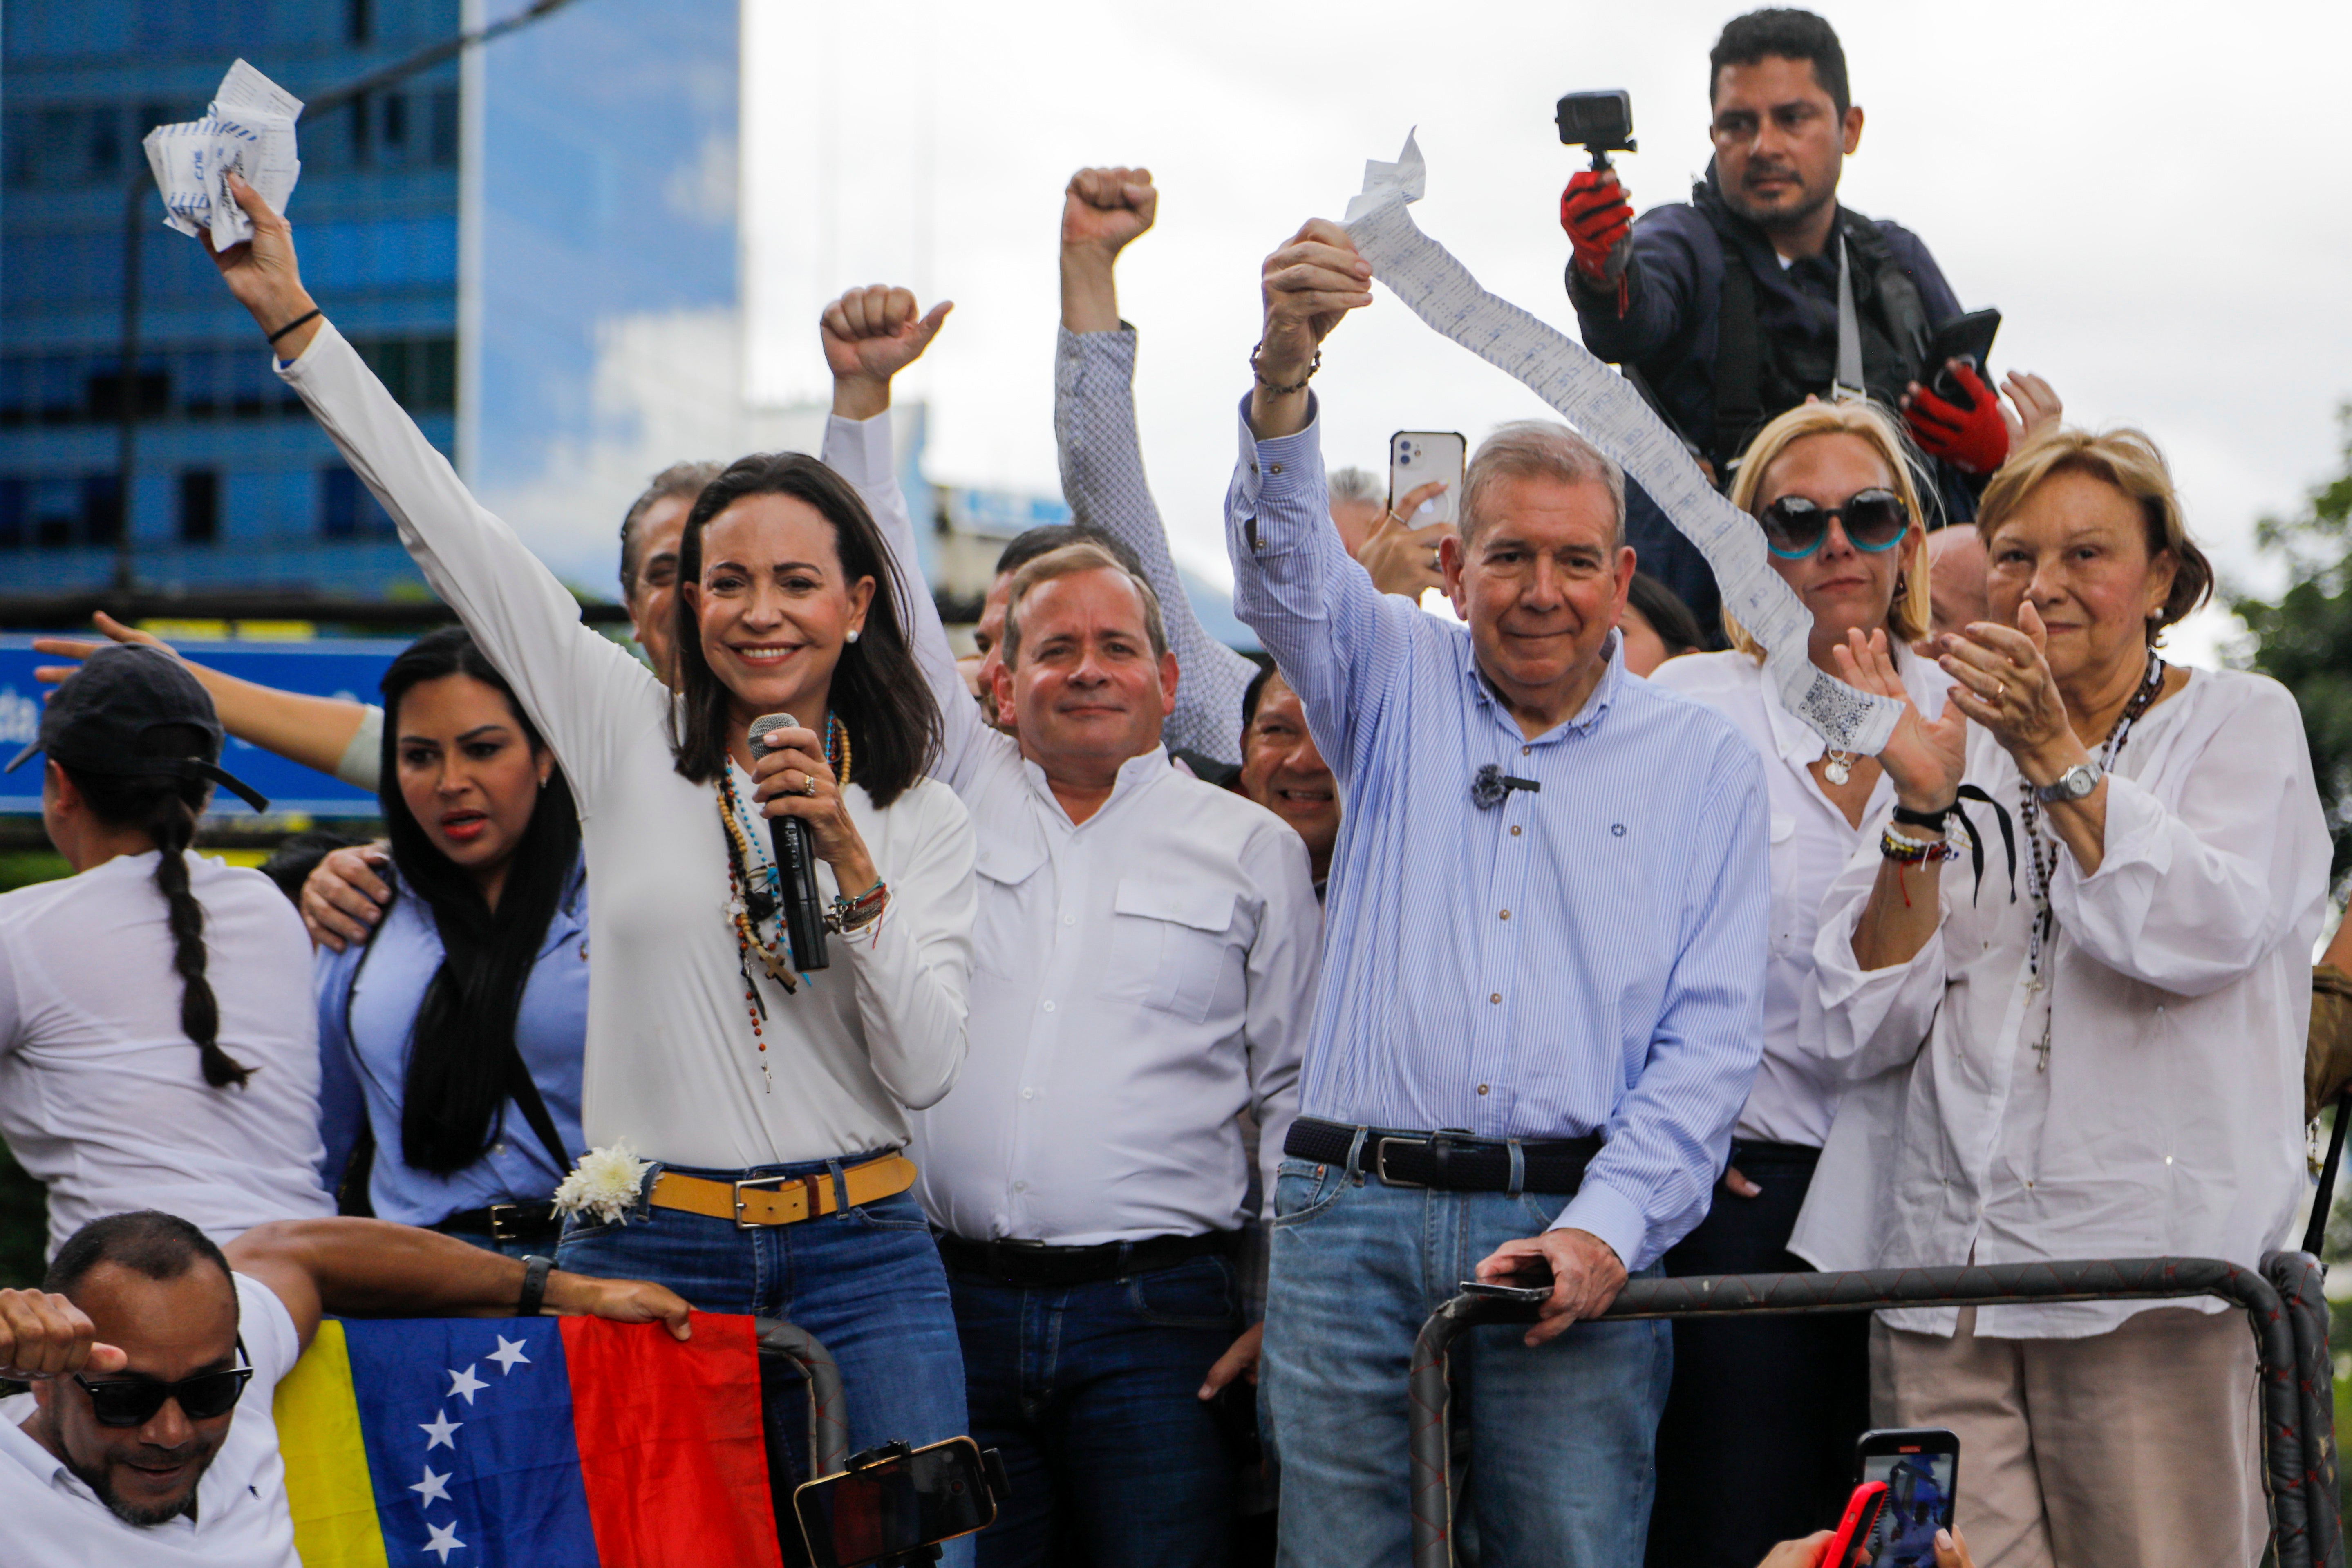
point(782, 1200)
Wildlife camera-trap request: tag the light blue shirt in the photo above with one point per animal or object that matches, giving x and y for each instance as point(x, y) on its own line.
point(368, 997)
point(1589, 958)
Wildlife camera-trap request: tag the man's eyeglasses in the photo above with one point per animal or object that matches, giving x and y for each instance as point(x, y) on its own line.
point(1874, 519)
point(134, 1401)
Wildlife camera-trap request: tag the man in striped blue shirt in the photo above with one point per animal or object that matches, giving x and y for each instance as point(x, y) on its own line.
point(1542, 985)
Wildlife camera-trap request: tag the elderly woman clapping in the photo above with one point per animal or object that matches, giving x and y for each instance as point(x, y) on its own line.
point(2089, 1047)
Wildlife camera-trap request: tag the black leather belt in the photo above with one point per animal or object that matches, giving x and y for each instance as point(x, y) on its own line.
point(1450, 1160)
point(506, 1222)
point(1036, 1265)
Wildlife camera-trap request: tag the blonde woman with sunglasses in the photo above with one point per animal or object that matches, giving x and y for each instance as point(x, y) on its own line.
point(1756, 1445)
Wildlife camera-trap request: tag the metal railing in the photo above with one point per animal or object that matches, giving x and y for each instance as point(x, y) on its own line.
point(2282, 1302)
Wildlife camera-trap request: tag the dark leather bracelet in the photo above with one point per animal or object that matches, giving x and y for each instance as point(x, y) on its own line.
point(1934, 820)
point(535, 1270)
point(311, 315)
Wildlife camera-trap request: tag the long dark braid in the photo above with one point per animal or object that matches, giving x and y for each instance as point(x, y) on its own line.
point(166, 808)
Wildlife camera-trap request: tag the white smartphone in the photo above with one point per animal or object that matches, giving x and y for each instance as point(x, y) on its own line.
point(1417, 456)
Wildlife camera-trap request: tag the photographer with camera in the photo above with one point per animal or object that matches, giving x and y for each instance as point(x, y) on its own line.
point(1762, 290)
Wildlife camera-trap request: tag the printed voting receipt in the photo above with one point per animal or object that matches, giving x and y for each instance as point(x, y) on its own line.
point(248, 129)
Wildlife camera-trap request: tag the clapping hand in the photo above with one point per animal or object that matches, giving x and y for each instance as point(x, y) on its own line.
point(1104, 209)
point(2001, 678)
point(1924, 757)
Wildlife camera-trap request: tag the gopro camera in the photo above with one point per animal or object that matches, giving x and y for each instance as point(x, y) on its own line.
point(1600, 122)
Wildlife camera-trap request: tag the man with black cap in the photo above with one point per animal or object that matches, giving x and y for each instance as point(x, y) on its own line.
point(157, 1047)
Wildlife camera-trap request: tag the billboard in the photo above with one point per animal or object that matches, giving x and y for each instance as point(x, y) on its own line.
point(350, 669)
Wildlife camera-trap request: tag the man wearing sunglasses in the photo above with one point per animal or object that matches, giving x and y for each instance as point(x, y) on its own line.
point(1762, 290)
point(148, 1437)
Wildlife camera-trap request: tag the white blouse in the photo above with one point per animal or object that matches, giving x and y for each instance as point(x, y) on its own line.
point(1797, 1086)
point(2178, 991)
point(671, 1062)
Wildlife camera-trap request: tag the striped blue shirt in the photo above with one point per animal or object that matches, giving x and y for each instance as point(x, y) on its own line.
point(1588, 958)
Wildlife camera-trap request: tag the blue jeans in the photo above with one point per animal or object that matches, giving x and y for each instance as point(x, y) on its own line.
point(866, 1281)
point(1091, 1392)
point(1560, 1436)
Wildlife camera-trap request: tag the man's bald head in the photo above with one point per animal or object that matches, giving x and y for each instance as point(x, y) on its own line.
point(1955, 579)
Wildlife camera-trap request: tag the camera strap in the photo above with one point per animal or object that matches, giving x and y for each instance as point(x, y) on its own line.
point(1850, 387)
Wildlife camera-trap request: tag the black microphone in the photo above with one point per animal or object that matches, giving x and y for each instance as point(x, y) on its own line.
point(1491, 783)
point(795, 864)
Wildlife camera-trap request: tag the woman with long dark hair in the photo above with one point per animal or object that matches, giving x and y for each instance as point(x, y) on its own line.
point(148, 1057)
point(450, 1040)
point(747, 1117)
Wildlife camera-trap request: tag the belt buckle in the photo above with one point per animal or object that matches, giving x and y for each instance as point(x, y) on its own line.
point(500, 1218)
point(1381, 1160)
point(813, 1181)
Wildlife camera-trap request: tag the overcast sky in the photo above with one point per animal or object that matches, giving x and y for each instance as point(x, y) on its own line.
point(2153, 195)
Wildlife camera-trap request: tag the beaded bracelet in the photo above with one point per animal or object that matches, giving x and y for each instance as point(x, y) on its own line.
point(1299, 385)
point(1909, 851)
point(852, 915)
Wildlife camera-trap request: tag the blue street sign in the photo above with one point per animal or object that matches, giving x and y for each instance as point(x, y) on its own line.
point(324, 668)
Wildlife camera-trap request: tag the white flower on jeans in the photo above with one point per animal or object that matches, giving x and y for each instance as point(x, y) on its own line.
point(603, 1184)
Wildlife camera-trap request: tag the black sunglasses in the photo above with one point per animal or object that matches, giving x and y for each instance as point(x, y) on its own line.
point(134, 1401)
point(1795, 527)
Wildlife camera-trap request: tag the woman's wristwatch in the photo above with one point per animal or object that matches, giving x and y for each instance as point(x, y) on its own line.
point(2073, 784)
point(535, 1270)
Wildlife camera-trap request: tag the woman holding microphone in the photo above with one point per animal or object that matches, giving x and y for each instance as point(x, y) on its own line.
point(744, 1120)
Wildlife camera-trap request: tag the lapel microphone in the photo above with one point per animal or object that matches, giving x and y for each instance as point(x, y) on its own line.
point(1491, 783)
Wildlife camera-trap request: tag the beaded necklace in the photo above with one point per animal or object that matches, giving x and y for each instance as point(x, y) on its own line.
point(752, 882)
point(2042, 868)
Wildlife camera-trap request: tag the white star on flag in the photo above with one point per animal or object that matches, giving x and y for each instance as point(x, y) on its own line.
point(437, 1431)
point(467, 1383)
point(444, 1540)
point(433, 1487)
point(507, 1354)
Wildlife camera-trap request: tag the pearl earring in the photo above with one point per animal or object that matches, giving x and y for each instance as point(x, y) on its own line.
point(853, 634)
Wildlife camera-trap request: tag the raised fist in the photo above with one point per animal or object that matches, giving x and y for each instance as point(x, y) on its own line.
point(873, 333)
point(1106, 208)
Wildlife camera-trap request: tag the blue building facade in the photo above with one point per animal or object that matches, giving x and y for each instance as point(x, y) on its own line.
point(475, 229)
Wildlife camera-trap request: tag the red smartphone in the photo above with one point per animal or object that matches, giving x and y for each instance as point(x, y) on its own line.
point(1851, 1546)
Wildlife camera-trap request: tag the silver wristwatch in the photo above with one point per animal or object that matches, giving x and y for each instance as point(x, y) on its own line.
point(2073, 784)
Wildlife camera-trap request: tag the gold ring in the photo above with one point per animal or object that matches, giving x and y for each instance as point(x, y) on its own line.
point(808, 787)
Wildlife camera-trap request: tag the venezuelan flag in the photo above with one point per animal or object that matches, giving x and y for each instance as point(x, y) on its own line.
point(552, 1442)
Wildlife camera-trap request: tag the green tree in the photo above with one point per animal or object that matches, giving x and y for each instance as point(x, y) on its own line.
point(2304, 640)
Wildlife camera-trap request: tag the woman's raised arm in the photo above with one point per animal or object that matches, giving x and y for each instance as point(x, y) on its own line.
point(586, 694)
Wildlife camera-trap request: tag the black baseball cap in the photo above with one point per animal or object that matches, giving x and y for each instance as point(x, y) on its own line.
point(95, 721)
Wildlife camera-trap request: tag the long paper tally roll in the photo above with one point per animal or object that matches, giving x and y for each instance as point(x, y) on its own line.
point(1604, 406)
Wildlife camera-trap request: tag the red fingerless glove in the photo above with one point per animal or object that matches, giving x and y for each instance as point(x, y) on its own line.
point(1974, 439)
point(1598, 220)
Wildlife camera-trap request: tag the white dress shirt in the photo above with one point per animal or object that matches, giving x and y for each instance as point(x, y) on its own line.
point(103, 1094)
point(671, 1064)
point(2178, 992)
point(241, 1518)
point(1138, 978)
point(1797, 1088)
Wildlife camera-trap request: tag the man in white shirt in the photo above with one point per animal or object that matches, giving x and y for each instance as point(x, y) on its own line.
point(148, 1437)
point(1144, 966)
